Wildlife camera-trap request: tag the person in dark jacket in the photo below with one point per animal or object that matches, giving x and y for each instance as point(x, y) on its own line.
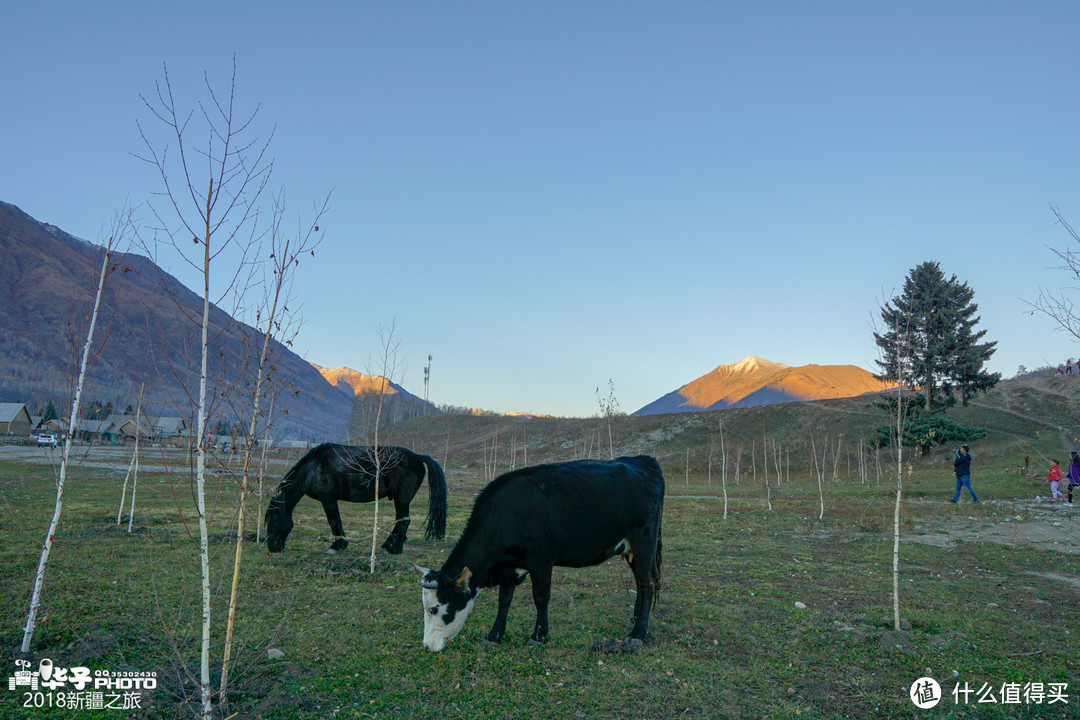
point(962, 467)
point(1074, 475)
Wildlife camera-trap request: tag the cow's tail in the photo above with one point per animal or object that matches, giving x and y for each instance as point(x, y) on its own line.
point(436, 518)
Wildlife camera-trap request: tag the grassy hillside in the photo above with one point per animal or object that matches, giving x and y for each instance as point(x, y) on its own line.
point(1017, 416)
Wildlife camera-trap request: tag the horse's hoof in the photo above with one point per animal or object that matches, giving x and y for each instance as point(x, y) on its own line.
point(535, 643)
point(331, 551)
point(489, 643)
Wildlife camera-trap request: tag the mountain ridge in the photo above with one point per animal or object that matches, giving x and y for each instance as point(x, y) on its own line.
point(754, 381)
point(48, 281)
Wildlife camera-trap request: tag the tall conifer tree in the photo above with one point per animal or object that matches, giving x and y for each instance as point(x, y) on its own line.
point(947, 356)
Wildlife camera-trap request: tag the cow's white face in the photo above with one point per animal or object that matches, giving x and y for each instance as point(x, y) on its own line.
point(447, 604)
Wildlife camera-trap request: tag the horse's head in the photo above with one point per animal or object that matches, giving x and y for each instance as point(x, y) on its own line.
point(278, 525)
point(447, 603)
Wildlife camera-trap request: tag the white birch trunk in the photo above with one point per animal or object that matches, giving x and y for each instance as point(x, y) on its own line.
point(723, 466)
point(123, 490)
point(200, 477)
point(262, 473)
point(896, 508)
point(138, 434)
point(244, 483)
point(39, 576)
point(378, 468)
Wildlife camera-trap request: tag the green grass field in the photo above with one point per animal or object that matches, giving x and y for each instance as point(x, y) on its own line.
point(726, 639)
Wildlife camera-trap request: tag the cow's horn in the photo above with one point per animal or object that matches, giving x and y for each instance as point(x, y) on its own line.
point(424, 581)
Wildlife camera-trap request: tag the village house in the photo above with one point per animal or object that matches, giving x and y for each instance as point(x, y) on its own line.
point(14, 419)
point(99, 432)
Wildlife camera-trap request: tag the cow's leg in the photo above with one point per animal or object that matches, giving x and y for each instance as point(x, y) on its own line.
point(395, 541)
point(646, 577)
point(541, 588)
point(337, 533)
point(506, 595)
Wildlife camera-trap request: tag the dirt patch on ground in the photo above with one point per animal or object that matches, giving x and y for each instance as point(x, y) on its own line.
point(1042, 525)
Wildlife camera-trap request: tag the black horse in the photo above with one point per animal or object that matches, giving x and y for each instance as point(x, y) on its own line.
point(332, 472)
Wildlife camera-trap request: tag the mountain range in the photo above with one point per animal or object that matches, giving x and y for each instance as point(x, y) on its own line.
point(147, 332)
point(754, 381)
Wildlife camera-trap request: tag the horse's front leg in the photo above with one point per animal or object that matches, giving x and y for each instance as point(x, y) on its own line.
point(395, 541)
point(337, 532)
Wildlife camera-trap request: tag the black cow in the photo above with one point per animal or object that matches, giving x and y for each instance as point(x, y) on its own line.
point(572, 514)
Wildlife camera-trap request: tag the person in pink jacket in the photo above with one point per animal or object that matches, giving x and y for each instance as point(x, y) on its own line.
point(1055, 477)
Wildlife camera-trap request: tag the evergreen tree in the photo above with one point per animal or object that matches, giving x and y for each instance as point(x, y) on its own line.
point(936, 316)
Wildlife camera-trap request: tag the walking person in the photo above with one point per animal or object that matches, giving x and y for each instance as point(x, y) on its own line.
point(1055, 476)
point(1074, 476)
point(1068, 366)
point(962, 467)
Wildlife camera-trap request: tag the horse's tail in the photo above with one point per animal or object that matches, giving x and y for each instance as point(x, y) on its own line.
point(436, 519)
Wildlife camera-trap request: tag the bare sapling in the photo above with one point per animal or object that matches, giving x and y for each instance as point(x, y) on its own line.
point(896, 507)
point(122, 226)
point(609, 408)
point(390, 365)
point(286, 251)
point(259, 490)
point(723, 465)
point(819, 471)
point(836, 459)
point(446, 449)
point(898, 363)
point(211, 197)
point(765, 467)
point(123, 489)
point(738, 464)
point(138, 435)
point(778, 459)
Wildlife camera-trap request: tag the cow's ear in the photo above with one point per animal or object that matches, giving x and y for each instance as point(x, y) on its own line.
point(462, 582)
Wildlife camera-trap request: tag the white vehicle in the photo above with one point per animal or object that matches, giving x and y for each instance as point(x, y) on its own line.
point(49, 440)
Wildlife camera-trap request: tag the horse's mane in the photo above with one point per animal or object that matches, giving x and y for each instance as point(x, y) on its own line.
point(292, 486)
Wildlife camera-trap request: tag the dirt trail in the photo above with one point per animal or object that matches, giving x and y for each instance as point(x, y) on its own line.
point(1038, 524)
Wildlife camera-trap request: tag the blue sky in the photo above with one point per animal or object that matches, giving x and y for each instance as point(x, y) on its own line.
point(546, 196)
